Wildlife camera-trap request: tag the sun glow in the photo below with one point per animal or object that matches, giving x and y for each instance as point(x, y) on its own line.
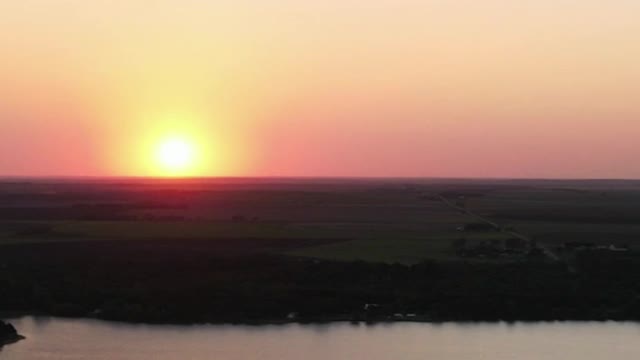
point(178, 144)
point(176, 157)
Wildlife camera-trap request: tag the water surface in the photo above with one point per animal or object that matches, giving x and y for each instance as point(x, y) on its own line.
point(64, 339)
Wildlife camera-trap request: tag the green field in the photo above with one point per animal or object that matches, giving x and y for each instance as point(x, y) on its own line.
point(558, 215)
point(404, 250)
point(389, 221)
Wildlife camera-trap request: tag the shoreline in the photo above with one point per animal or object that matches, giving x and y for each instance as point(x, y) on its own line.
point(12, 340)
point(9, 316)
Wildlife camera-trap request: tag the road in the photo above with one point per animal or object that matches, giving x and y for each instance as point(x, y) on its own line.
point(547, 252)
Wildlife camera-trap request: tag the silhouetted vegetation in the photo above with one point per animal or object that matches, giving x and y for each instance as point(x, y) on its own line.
point(8, 334)
point(200, 281)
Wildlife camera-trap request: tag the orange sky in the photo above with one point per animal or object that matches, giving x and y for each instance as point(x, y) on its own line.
point(494, 88)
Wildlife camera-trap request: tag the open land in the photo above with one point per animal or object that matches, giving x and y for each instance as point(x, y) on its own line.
point(275, 250)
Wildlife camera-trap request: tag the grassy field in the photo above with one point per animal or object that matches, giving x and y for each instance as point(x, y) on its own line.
point(383, 220)
point(572, 213)
point(403, 250)
point(389, 241)
point(131, 230)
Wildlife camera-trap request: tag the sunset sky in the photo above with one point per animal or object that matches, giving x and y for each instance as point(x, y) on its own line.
point(493, 88)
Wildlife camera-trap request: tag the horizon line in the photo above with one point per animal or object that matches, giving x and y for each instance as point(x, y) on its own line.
point(305, 177)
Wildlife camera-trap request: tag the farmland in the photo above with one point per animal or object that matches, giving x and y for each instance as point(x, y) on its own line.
point(370, 220)
point(256, 250)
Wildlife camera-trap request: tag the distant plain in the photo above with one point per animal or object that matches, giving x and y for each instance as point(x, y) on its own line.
point(376, 220)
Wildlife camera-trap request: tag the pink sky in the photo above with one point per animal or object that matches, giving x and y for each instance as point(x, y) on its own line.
point(463, 88)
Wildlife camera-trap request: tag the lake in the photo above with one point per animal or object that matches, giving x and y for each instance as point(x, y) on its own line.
point(66, 339)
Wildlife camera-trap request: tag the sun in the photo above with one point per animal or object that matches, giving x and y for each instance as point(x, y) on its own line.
point(176, 156)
